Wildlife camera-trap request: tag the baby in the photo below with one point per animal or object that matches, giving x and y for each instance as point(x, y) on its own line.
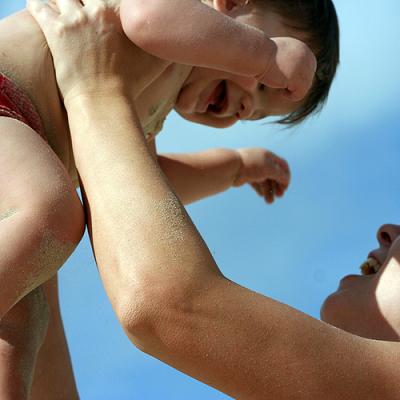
point(231, 60)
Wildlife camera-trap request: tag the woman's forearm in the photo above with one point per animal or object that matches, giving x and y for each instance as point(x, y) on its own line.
point(192, 33)
point(139, 229)
point(171, 298)
point(194, 176)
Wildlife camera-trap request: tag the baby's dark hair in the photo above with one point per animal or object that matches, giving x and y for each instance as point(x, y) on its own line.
point(317, 19)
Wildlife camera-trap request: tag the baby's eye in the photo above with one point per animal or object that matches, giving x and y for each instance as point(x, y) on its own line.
point(261, 87)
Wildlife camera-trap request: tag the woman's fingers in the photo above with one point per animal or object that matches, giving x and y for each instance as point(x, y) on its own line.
point(43, 13)
point(91, 3)
point(67, 6)
point(53, 5)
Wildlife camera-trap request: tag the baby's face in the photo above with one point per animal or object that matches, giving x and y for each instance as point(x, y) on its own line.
point(220, 99)
point(368, 305)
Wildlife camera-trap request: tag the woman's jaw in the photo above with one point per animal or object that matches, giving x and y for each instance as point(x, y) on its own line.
point(368, 305)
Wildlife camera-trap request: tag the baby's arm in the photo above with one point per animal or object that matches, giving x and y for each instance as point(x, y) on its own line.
point(198, 175)
point(190, 32)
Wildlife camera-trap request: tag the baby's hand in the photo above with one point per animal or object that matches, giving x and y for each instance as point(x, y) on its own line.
point(292, 68)
point(267, 173)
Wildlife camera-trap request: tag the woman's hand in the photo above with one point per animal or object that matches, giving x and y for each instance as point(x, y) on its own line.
point(268, 174)
point(91, 53)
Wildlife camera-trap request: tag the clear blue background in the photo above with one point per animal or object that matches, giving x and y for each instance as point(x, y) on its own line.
point(346, 182)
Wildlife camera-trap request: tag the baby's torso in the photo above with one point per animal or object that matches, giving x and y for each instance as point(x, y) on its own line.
point(26, 60)
point(158, 99)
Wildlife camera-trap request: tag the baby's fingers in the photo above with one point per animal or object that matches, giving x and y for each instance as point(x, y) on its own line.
point(299, 87)
point(296, 93)
point(257, 188)
point(269, 191)
point(280, 190)
point(281, 172)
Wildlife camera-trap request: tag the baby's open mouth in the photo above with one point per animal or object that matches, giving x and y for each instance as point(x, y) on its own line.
point(219, 99)
point(369, 267)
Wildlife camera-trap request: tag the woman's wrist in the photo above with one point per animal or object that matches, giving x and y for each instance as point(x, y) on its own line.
point(97, 92)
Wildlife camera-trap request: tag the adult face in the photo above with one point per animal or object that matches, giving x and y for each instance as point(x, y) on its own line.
point(220, 99)
point(368, 305)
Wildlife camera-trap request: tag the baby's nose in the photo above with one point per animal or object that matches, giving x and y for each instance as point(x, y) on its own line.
point(245, 107)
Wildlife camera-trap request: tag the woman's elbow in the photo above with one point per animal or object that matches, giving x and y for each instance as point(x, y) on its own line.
point(151, 311)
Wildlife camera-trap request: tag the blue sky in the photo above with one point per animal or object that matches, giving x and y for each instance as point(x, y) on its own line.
point(346, 182)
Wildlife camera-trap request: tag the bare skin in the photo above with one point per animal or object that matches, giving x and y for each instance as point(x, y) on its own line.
point(367, 304)
point(22, 331)
point(171, 299)
point(53, 377)
point(156, 77)
point(54, 165)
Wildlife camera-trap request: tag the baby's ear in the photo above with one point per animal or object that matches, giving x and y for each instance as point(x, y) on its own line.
point(225, 6)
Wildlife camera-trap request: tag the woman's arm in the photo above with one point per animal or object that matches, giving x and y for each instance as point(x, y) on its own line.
point(54, 376)
point(175, 304)
point(167, 291)
point(194, 176)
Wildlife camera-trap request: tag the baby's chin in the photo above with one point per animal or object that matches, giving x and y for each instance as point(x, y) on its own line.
point(207, 119)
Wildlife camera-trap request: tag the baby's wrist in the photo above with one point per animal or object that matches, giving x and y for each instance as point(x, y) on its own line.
point(238, 176)
point(268, 54)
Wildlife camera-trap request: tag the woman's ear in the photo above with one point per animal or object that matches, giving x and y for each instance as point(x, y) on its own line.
point(226, 6)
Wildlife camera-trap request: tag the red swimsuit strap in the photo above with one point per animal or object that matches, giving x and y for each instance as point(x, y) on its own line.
point(15, 103)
